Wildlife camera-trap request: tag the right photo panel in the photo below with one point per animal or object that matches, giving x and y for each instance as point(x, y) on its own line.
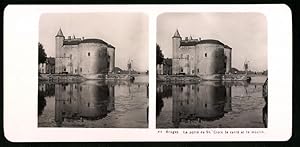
point(211, 70)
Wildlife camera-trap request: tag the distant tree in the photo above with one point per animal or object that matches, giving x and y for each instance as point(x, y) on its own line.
point(159, 55)
point(42, 54)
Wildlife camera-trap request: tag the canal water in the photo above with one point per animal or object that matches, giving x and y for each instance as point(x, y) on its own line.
point(211, 105)
point(94, 104)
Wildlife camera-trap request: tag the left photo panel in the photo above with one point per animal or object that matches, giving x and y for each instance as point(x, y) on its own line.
point(93, 70)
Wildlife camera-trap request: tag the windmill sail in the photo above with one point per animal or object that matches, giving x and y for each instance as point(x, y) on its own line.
point(246, 66)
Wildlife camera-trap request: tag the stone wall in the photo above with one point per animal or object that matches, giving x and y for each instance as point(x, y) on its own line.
point(111, 54)
point(93, 58)
point(228, 58)
point(175, 57)
point(209, 59)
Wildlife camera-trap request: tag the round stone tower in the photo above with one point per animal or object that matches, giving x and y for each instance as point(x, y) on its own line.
point(59, 41)
point(210, 58)
point(175, 45)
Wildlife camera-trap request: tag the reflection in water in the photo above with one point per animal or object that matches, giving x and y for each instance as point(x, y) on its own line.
point(90, 100)
point(198, 102)
point(194, 104)
point(43, 91)
point(77, 101)
point(162, 92)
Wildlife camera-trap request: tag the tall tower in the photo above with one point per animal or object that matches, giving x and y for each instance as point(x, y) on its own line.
point(175, 45)
point(59, 40)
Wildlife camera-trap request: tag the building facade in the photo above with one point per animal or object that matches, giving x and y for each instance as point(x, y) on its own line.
point(200, 57)
point(48, 67)
point(83, 56)
point(165, 68)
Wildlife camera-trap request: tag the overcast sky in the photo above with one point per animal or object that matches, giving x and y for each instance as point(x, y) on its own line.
point(246, 33)
point(127, 32)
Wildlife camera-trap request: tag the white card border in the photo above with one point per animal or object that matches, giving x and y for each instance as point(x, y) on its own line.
point(20, 49)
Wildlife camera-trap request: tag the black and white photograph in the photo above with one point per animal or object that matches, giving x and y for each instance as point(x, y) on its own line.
point(147, 73)
point(93, 70)
point(212, 70)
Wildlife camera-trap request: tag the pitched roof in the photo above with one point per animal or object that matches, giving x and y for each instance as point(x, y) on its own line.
point(188, 43)
point(210, 41)
point(176, 34)
point(78, 41)
point(59, 33)
point(71, 42)
point(51, 60)
point(206, 41)
point(94, 41)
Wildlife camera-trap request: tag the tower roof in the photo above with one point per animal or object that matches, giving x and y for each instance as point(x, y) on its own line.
point(228, 47)
point(59, 33)
point(176, 34)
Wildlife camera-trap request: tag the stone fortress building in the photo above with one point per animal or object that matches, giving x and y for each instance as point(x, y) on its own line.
point(204, 58)
point(83, 56)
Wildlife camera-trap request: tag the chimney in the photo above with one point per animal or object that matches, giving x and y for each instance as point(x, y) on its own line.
point(186, 38)
point(69, 37)
point(82, 38)
point(73, 36)
point(199, 38)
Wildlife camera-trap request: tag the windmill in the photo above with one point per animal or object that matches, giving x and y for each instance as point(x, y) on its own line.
point(129, 67)
point(246, 66)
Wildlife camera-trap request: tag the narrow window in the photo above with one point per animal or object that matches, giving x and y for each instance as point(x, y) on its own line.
point(75, 70)
point(65, 88)
point(65, 69)
point(193, 71)
point(64, 54)
point(181, 69)
point(205, 54)
point(80, 69)
point(198, 70)
point(181, 88)
point(89, 54)
point(187, 57)
point(70, 56)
